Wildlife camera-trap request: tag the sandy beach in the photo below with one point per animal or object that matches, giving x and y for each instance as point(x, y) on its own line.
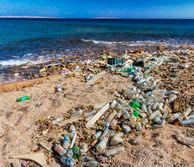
point(20, 122)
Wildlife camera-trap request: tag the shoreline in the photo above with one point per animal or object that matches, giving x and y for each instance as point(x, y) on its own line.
point(70, 87)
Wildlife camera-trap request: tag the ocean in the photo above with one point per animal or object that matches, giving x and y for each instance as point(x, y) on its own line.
point(35, 41)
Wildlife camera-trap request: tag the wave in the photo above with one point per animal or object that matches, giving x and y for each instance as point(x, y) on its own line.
point(21, 61)
point(99, 42)
point(168, 42)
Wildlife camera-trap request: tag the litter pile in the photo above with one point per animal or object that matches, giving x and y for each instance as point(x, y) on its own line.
point(91, 135)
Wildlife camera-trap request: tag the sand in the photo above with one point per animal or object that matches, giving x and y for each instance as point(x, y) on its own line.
point(18, 121)
point(156, 147)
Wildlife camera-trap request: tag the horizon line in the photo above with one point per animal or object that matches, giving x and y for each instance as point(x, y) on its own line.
point(108, 18)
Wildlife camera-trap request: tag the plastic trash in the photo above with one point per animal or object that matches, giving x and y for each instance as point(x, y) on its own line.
point(97, 135)
point(135, 104)
point(117, 139)
point(185, 140)
point(66, 142)
point(58, 88)
point(60, 150)
point(102, 145)
point(106, 131)
point(76, 151)
point(92, 163)
point(68, 161)
point(136, 113)
point(116, 61)
point(187, 121)
point(23, 98)
point(154, 114)
point(83, 147)
point(58, 120)
point(74, 133)
point(114, 150)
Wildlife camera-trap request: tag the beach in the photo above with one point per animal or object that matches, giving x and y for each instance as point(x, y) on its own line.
point(96, 92)
point(58, 93)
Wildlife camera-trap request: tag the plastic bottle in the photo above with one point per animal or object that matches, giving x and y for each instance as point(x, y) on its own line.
point(60, 150)
point(172, 98)
point(144, 108)
point(68, 161)
point(57, 120)
point(111, 116)
point(97, 135)
point(126, 128)
point(185, 140)
point(136, 113)
point(76, 151)
point(135, 104)
point(188, 121)
point(91, 163)
point(117, 139)
point(70, 153)
point(102, 145)
point(106, 131)
point(158, 120)
point(154, 114)
point(139, 126)
point(74, 133)
point(83, 147)
point(113, 104)
point(23, 98)
point(66, 142)
point(114, 151)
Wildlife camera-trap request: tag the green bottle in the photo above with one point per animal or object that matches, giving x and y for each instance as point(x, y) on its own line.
point(135, 104)
point(23, 98)
point(136, 113)
point(76, 151)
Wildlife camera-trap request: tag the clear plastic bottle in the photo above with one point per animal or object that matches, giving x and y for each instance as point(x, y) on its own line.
point(100, 147)
point(114, 150)
point(117, 139)
point(68, 161)
point(97, 135)
point(66, 142)
point(106, 131)
point(60, 150)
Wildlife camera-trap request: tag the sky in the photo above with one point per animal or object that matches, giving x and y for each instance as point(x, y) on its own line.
point(99, 8)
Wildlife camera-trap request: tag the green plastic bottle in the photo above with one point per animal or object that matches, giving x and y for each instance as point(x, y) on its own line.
point(76, 151)
point(136, 113)
point(23, 98)
point(135, 104)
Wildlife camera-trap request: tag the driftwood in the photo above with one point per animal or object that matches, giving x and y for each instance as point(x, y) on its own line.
point(97, 116)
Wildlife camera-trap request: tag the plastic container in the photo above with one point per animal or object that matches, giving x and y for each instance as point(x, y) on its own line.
point(114, 151)
point(100, 147)
point(188, 121)
point(154, 114)
point(117, 139)
point(91, 163)
point(97, 135)
point(23, 98)
point(66, 142)
point(60, 150)
point(76, 151)
point(83, 147)
point(135, 104)
point(106, 131)
point(67, 161)
point(111, 116)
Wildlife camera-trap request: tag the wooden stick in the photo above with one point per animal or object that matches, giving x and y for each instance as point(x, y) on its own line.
point(97, 116)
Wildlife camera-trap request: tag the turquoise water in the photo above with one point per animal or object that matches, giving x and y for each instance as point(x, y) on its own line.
point(24, 40)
